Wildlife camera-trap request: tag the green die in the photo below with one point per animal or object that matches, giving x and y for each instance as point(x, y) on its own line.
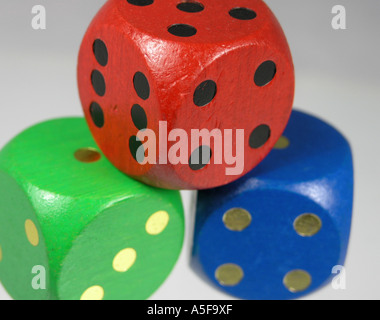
point(72, 223)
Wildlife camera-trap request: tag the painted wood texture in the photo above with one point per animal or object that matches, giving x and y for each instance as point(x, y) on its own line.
point(299, 204)
point(223, 65)
point(98, 233)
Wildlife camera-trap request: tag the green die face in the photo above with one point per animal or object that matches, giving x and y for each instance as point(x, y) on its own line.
point(96, 233)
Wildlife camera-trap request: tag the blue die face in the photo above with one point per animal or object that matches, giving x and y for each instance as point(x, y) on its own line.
point(278, 232)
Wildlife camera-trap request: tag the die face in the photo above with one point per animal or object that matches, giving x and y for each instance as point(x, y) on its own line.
point(131, 256)
point(72, 189)
point(299, 205)
point(238, 103)
point(269, 248)
point(111, 117)
point(22, 244)
point(215, 22)
point(214, 79)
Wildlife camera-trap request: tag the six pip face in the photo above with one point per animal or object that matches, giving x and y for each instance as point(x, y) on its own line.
point(222, 65)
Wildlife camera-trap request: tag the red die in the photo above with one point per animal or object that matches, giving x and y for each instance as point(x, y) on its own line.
point(169, 67)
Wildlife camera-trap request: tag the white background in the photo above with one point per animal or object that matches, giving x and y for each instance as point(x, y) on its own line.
point(338, 80)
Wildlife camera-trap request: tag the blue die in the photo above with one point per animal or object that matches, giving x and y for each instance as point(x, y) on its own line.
point(278, 232)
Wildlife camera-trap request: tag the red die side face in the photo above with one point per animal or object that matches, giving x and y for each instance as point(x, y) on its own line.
point(222, 65)
point(114, 86)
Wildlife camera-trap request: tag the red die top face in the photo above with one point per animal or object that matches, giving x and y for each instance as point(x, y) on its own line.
point(203, 21)
point(235, 72)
